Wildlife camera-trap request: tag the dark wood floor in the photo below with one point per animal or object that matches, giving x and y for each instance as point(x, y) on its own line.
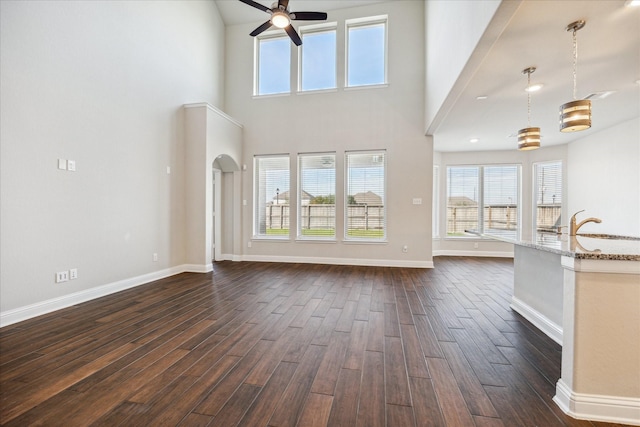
point(289, 344)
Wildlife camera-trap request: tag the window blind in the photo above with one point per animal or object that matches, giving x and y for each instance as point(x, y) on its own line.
point(317, 196)
point(548, 195)
point(271, 214)
point(365, 196)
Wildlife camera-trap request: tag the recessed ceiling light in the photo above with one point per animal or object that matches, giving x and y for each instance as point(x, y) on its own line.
point(474, 140)
point(481, 97)
point(534, 87)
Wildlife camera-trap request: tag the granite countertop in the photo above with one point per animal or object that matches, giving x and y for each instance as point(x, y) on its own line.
point(587, 246)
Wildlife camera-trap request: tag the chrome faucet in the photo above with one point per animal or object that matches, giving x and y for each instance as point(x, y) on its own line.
point(573, 230)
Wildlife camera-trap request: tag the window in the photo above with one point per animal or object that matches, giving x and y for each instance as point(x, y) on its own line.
point(318, 58)
point(271, 192)
point(317, 196)
point(273, 55)
point(367, 51)
point(462, 199)
point(547, 190)
point(500, 200)
point(483, 199)
point(435, 198)
point(365, 196)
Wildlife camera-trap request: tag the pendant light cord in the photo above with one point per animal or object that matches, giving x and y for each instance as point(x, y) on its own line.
point(575, 64)
point(529, 98)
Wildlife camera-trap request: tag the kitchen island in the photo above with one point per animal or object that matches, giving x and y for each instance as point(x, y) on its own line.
point(584, 292)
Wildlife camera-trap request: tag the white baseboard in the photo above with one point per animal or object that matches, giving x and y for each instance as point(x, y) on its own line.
point(27, 312)
point(540, 321)
point(612, 409)
point(489, 254)
point(339, 261)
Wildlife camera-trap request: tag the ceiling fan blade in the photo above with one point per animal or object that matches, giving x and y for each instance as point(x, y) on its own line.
point(257, 5)
point(308, 16)
point(261, 28)
point(284, 3)
point(293, 35)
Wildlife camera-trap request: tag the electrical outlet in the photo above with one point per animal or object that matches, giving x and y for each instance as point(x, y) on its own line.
point(155, 257)
point(249, 244)
point(73, 274)
point(71, 165)
point(62, 276)
point(475, 246)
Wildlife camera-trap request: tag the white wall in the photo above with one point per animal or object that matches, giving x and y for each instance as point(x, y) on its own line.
point(102, 83)
point(456, 43)
point(211, 137)
point(604, 179)
point(390, 118)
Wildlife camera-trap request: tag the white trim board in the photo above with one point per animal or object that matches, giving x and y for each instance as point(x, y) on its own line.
point(540, 321)
point(38, 309)
point(612, 409)
point(475, 253)
point(339, 261)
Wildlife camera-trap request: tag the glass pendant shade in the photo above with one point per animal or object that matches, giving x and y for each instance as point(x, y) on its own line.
point(575, 115)
point(528, 139)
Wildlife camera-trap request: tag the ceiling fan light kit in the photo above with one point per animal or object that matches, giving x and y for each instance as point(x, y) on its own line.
point(529, 137)
point(575, 115)
point(281, 18)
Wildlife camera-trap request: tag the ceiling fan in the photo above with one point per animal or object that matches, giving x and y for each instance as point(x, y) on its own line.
point(281, 18)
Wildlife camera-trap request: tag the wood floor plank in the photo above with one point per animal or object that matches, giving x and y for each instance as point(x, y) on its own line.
point(452, 403)
point(256, 344)
point(371, 409)
point(414, 358)
point(425, 403)
point(292, 402)
point(316, 411)
point(395, 372)
point(344, 410)
point(327, 375)
point(265, 403)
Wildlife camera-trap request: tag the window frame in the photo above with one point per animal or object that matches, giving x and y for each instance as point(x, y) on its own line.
point(311, 30)
point(370, 21)
point(266, 36)
point(383, 238)
point(534, 192)
point(481, 205)
point(256, 198)
point(300, 188)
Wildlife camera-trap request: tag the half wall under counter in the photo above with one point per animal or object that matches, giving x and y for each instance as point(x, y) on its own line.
point(584, 292)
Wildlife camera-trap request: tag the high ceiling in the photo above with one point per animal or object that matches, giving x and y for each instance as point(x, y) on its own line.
point(535, 35)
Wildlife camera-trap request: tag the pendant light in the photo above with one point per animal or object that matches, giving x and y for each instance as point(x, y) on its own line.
point(528, 138)
point(575, 115)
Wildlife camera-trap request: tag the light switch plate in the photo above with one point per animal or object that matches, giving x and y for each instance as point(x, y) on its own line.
point(62, 164)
